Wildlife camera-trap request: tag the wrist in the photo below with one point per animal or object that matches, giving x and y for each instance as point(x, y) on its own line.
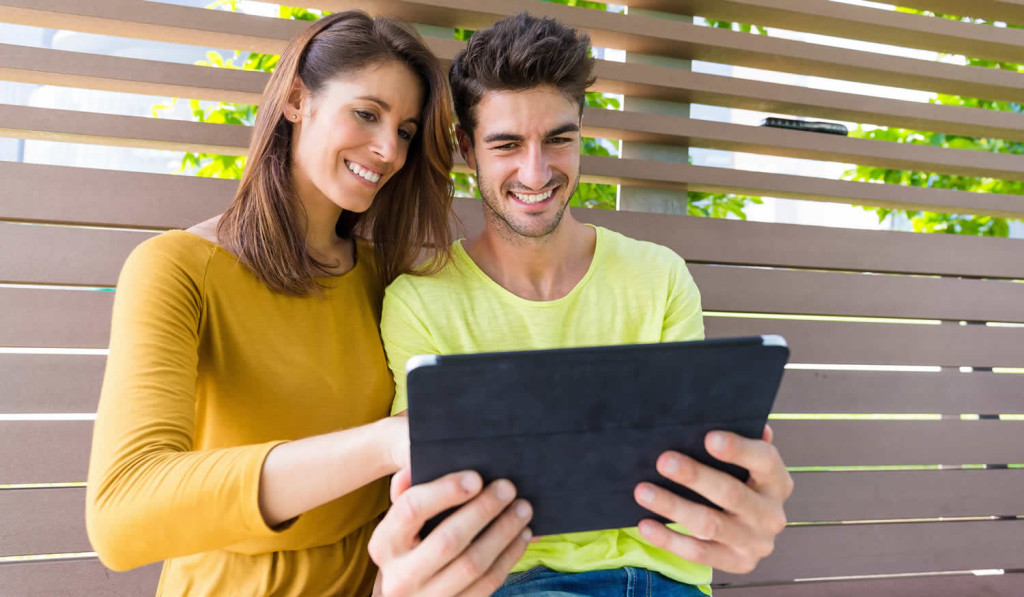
point(391, 436)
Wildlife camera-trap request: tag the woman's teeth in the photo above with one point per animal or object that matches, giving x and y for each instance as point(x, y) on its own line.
point(366, 174)
point(533, 198)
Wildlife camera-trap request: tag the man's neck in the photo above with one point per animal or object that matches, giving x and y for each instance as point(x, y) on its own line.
point(542, 269)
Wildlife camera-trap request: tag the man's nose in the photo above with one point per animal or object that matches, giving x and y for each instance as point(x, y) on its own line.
point(535, 170)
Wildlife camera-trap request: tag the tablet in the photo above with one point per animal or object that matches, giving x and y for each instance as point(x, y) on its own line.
point(576, 429)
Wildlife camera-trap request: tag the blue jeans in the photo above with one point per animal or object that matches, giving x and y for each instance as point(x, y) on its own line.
point(620, 582)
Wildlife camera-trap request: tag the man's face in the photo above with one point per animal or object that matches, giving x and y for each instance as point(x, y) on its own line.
point(526, 153)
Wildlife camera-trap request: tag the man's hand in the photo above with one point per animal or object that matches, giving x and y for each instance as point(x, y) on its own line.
point(740, 536)
point(468, 554)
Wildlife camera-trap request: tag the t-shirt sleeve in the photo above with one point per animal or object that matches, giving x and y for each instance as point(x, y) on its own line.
point(404, 336)
point(684, 319)
point(150, 495)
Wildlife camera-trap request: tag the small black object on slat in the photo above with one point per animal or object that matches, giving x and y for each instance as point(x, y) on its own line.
point(831, 128)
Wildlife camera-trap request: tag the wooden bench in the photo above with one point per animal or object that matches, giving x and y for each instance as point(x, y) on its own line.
point(918, 517)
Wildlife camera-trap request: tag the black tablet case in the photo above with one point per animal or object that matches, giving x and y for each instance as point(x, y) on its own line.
point(577, 429)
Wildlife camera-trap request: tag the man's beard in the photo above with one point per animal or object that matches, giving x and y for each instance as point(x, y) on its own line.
point(506, 226)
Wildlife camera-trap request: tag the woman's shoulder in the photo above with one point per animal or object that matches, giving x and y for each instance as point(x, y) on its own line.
point(174, 252)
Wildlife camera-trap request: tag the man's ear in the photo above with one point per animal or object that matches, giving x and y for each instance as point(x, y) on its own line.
point(465, 146)
point(297, 103)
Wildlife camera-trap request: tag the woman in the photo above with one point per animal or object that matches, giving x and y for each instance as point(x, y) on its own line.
point(242, 432)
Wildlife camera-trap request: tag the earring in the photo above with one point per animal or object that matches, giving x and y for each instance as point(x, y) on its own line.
point(295, 116)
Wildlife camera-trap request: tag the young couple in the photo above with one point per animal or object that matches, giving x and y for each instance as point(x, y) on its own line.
point(243, 434)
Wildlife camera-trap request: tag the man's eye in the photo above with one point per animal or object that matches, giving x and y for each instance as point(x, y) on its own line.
point(505, 147)
point(561, 140)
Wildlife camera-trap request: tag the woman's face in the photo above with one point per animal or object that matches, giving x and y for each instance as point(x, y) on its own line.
point(354, 134)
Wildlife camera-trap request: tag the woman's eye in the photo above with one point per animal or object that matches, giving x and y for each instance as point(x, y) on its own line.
point(406, 135)
point(366, 116)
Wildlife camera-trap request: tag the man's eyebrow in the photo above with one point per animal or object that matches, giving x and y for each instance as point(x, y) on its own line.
point(570, 127)
point(493, 138)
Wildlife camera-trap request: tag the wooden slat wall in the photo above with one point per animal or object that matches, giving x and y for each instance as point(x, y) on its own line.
point(741, 267)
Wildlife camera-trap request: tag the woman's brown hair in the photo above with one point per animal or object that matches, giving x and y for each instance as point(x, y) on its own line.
point(408, 214)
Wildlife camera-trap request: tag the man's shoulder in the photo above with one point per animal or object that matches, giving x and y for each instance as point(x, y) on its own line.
point(452, 275)
point(637, 251)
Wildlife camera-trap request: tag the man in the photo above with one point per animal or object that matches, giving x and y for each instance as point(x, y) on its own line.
point(538, 278)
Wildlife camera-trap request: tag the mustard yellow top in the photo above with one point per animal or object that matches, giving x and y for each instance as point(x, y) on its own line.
point(208, 370)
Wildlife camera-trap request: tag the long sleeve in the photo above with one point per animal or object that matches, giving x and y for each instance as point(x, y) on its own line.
point(151, 497)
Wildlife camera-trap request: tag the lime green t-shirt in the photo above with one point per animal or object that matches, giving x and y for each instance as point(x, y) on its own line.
point(634, 292)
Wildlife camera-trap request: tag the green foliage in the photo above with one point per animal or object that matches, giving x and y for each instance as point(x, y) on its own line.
point(922, 221)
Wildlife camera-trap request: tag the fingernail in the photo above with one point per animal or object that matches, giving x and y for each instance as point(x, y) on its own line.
point(718, 441)
point(672, 464)
point(646, 494)
point(527, 534)
point(470, 482)
point(505, 491)
point(645, 528)
point(523, 510)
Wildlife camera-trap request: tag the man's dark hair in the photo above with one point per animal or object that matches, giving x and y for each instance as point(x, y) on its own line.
point(518, 53)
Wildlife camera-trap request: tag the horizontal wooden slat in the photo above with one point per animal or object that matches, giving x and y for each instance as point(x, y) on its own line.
point(704, 240)
point(172, 24)
point(58, 451)
point(830, 342)
point(944, 392)
point(129, 75)
point(671, 130)
point(57, 254)
point(859, 22)
point(674, 84)
point(894, 495)
point(44, 451)
point(74, 69)
point(633, 33)
point(43, 521)
point(815, 552)
point(78, 127)
point(40, 193)
point(728, 288)
point(921, 586)
point(68, 126)
point(71, 578)
point(50, 383)
point(50, 318)
point(884, 443)
point(1008, 11)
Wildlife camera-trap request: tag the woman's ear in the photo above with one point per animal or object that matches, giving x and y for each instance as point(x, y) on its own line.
point(297, 102)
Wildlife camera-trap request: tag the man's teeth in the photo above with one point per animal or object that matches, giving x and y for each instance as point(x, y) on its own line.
point(533, 198)
point(367, 174)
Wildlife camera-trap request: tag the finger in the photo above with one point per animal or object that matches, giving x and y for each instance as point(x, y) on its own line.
point(701, 521)
point(767, 471)
point(400, 483)
point(399, 530)
point(769, 433)
point(476, 564)
point(722, 489)
point(695, 550)
point(447, 542)
point(498, 572)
